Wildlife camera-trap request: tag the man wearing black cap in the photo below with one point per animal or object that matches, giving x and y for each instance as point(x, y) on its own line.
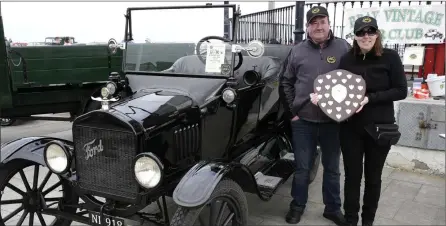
point(318, 54)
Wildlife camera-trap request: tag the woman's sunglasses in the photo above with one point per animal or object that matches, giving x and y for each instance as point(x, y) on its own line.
point(370, 32)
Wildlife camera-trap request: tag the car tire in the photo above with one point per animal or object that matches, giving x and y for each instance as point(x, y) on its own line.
point(8, 170)
point(228, 190)
point(7, 121)
point(315, 167)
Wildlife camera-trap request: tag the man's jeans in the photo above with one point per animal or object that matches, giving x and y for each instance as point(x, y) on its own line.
point(306, 136)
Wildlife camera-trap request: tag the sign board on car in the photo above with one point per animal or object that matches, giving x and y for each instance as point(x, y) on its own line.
point(215, 57)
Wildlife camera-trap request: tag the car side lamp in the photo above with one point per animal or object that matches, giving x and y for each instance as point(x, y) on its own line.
point(229, 95)
point(255, 49)
point(113, 46)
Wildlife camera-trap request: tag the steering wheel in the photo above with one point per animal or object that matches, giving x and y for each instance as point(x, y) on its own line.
point(206, 39)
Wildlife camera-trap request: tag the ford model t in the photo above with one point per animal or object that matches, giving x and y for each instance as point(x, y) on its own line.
point(201, 123)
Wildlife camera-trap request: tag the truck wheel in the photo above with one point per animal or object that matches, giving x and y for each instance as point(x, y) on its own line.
point(227, 206)
point(7, 121)
point(23, 196)
point(316, 163)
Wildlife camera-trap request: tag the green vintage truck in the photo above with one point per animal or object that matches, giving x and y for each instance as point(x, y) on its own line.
point(52, 78)
point(60, 78)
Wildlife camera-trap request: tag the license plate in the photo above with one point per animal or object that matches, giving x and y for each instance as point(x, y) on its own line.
point(96, 219)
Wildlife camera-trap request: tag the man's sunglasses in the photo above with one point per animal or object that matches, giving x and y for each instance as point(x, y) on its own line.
point(370, 32)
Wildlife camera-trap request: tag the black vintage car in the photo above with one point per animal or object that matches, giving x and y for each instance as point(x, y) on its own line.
point(201, 124)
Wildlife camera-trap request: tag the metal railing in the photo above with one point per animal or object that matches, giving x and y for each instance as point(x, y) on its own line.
point(277, 25)
point(271, 26)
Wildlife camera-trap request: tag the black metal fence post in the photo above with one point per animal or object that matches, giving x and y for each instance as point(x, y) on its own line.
point(227, 22)
point(299, 22)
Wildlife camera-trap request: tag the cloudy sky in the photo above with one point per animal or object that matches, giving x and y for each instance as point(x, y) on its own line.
point(100, 21)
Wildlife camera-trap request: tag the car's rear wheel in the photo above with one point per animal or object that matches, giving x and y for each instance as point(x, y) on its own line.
point(7, 121)
point(24, 194)
point(226, 206)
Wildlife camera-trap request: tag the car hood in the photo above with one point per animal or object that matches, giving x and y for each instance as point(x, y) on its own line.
point(153, 108)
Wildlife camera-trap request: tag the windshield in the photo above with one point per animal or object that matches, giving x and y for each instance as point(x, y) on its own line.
point(52, 41)
point(167, 41)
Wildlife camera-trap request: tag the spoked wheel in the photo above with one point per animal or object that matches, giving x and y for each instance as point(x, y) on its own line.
point(226, 206)
point(7, 121)
point(27, 188)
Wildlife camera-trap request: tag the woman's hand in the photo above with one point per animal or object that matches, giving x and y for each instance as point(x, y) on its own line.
point(314, 98)
point(363, 102)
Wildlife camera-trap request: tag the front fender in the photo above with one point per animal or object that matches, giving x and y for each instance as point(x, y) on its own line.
point(197, 185)
point(28, 148)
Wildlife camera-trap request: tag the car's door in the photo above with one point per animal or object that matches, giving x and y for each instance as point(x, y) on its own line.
point(247, 111)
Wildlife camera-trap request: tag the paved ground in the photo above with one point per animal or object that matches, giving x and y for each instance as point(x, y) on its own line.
point(406, 199)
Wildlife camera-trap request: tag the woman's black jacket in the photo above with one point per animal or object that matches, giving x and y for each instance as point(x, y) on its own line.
point(385, 83)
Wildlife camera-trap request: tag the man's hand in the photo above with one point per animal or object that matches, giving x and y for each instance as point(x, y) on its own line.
point(314, 98)
point(363, 102)
point(295, 118)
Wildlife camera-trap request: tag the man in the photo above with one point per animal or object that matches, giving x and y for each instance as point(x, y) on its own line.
point(318, 54)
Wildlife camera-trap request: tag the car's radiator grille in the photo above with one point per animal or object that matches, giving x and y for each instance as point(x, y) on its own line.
point(110, 171)
point(186, 141)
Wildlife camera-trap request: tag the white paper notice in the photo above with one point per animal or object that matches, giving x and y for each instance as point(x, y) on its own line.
point(215, 57)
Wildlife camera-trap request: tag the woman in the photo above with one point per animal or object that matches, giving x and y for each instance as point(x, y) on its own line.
point(362, 134)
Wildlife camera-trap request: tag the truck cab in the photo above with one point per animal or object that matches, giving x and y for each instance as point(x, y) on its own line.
point(59, 40)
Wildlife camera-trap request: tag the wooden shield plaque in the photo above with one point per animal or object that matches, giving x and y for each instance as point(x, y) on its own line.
point(340, 93)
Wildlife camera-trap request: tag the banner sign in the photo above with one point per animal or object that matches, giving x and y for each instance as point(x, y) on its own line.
point(411, 25)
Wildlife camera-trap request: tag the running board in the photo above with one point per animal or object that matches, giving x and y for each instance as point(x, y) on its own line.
point(45, 118)
point(270, 179)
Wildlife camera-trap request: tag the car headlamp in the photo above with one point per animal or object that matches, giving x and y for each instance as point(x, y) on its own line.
point(56, 157)
point(105, 92)
point(111, 86)
point(228, 95)
point(148, 170)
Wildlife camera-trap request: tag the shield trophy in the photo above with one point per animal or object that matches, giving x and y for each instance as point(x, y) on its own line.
point(340, 93)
